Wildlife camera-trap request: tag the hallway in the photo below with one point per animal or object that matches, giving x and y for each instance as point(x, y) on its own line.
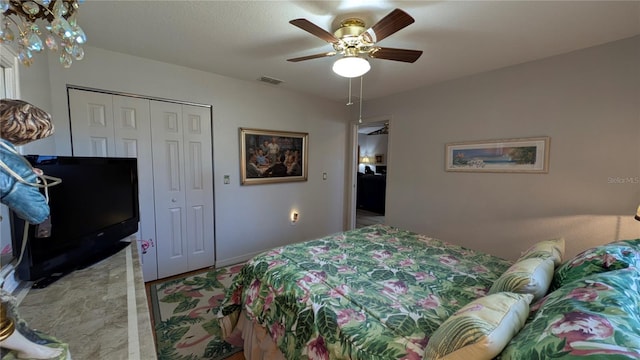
point(366, 218)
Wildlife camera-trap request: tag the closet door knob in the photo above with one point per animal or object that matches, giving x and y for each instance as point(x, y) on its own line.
point(174, 200)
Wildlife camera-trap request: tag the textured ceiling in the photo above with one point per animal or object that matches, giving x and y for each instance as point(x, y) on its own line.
point(250, 39)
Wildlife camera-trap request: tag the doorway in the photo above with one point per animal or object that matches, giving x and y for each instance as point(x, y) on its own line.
point(370, 161)
point(9, 88)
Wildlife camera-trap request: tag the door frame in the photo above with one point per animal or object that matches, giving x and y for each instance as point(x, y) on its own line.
point(353, 163)
point(10, 67)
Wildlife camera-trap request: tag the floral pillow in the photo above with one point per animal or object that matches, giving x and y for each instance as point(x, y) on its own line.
point(553, 248)
point(528, 276)
point(596, 317)
point(480, 329)
point(608, 257)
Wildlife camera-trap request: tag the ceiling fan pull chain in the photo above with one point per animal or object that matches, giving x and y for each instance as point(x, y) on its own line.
point(360, 118)
point(349, 102)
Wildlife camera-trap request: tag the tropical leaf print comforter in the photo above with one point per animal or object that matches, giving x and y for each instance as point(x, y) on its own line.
point(370, 293)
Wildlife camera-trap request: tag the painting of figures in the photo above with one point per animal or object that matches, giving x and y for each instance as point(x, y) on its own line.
point(272, 156)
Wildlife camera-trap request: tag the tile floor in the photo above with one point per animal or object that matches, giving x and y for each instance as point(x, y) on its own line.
point(366, 218)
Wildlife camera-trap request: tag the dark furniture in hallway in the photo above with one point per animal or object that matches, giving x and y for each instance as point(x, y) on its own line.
point(371, 192)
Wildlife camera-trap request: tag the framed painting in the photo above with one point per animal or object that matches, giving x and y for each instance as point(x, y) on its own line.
point(268, 156)
point(528, 155)
point(379, 158)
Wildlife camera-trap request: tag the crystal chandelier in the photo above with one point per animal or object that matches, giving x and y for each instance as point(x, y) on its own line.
point(28, 17)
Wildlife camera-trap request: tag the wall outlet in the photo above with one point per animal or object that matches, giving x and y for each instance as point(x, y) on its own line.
point(227, 180)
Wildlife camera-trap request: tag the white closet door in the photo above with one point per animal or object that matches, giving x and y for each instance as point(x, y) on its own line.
point(169, 188)
point(111, 125)
point(175, 171)
point(132, 134)
point(91, 123)
point(198, 186)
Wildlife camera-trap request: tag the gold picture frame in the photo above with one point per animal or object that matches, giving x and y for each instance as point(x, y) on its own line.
point(523, 155)
point(269, 156)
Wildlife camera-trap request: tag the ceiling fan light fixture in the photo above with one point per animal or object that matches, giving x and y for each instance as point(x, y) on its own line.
point(351, 66)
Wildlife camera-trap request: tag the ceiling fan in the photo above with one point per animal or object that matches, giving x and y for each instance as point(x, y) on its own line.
point(352, 39)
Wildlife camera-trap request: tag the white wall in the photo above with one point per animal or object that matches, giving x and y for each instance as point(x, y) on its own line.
point(36, 89)
point(587, 101)
point(248, 219)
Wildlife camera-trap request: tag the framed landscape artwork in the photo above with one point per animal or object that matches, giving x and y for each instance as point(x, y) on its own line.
point(268, 156)
point(528, 155)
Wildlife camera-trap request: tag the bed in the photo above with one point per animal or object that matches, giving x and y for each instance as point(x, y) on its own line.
point(384, 293)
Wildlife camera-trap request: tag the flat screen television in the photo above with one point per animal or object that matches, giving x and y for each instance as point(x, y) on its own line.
point(92, 210)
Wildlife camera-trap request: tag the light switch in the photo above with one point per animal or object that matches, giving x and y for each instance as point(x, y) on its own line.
point(227, 179)
point(324, 176)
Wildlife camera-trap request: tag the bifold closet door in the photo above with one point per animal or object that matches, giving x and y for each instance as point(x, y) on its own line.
point(113, 125)
point(199, 185)
point(92, 129)
point(183, 187)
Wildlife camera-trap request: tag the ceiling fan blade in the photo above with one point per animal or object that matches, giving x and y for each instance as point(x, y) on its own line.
point(309, 57)
point(393, 22)
point(396, 54)
point(314, 29)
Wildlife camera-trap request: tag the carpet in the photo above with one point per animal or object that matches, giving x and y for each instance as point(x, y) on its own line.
point(184, 312)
